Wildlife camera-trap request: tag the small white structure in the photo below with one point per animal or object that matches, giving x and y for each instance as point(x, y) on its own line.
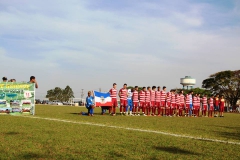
point(72, 101)
point(188, 81)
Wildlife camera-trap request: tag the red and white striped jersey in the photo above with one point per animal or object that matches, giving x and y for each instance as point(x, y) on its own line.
point(142, 96)
point(153, 96)
point(158, 96)
point(187, 99)
point(123, 94)
point(182, 99)
point(211, 102)
point(113, 93)
point(177, 99)
point(163, 96)
point(135, 96)
point(198, 101)
point(204, 100)
point(195, 101)
point(169, 96)
point(147, 96)
point(173, 99)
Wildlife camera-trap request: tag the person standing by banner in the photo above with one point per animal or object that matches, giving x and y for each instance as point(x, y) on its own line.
point(113, 94)
point(90, 103)
point(123, 99)
point(4, 79)
point(33, 80)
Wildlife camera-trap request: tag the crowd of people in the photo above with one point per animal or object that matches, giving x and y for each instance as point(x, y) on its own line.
point(32, 80)
point(156, 101)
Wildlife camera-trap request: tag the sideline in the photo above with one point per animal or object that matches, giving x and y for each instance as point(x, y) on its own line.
point(135, 129)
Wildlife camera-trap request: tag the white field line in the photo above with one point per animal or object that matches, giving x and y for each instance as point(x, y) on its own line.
point(139, 130)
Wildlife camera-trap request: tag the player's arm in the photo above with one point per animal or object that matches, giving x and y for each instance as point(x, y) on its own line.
point(119, 93)
point(36, 84)
point(110, 91)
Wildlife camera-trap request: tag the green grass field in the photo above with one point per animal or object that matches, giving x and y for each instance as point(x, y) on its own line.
point(118, 137)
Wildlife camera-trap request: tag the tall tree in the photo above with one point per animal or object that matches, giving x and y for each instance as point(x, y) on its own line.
point(60, 94)
point(68, 93)
point(226, 83)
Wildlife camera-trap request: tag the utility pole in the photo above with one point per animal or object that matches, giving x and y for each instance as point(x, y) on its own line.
point(82, 94)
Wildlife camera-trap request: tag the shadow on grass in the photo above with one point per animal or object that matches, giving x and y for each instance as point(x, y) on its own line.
point(116, 154)
point(175, 150)
point(227, 127)
point(230, 133)
point(85, 113)
point(30, 155)
point(75, 113)
point(12, 133)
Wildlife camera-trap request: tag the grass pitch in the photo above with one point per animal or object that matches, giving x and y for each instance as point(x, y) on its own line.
point(72, 136)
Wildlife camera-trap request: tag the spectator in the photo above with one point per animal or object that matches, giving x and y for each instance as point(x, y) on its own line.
point(4, 79)
point(33, 80)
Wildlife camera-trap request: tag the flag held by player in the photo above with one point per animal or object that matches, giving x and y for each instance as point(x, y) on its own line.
point(102, 99)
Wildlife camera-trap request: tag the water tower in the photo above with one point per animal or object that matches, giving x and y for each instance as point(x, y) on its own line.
point(188, 81)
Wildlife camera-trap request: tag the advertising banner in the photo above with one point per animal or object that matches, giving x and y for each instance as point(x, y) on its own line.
point(17, 98)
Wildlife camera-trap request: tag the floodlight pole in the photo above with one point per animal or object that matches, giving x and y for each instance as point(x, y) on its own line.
point(82, 94)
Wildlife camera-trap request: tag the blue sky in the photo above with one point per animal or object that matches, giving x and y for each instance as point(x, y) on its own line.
point(91, 44)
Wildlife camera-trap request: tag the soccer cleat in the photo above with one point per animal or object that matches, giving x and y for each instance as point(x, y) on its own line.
point(144, 115)
point(138, 114)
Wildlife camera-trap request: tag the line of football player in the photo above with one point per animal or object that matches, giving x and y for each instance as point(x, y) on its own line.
point(155, 101)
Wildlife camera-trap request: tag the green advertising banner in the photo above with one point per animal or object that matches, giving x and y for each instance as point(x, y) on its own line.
point(17, 98)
